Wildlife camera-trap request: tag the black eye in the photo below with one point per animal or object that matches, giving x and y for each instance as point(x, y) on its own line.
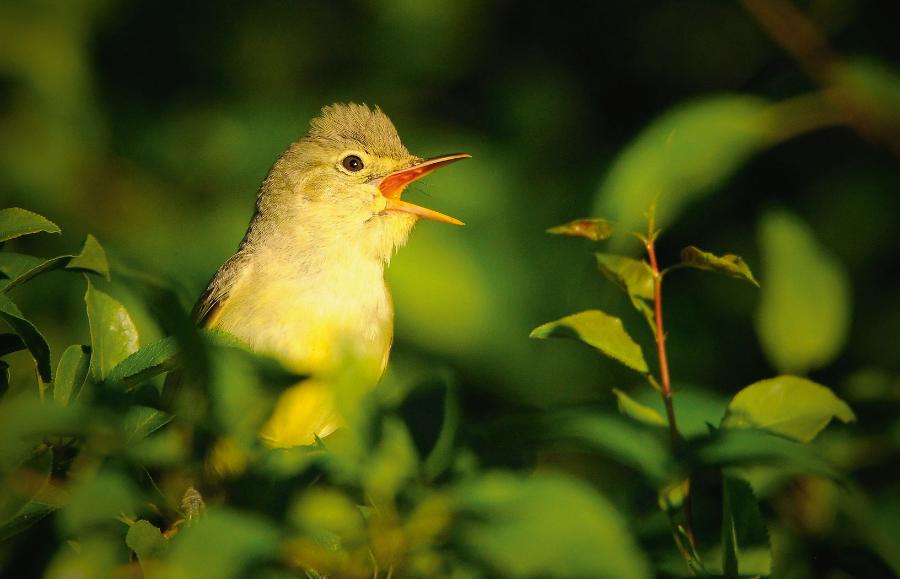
point(352, 163)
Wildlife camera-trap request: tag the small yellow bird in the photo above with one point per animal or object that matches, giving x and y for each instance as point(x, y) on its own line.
point(306, 285)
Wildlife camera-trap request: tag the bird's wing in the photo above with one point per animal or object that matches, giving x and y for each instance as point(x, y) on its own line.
point(210, 305)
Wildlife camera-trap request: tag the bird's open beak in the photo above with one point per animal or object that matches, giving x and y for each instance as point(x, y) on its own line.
point(393, 184)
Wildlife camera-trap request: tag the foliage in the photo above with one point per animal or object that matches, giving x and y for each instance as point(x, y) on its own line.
point(482, 453)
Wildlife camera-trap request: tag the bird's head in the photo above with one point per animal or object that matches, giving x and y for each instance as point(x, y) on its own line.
point(343, 181)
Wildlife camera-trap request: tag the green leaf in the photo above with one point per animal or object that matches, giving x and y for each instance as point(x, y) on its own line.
point(749, 447)
point(394, 462)
point(628, 443)
point(114, 335)
point(683, 155)
point(545, 525)
point(92, 258)
point(593, 229)
point(145, 540)
point(804, 311)
point(632, 275)
point(142, 421)
point(221, 545)
point(599, 330)
point(729, 264)
point(695, 407)
point(12, 265)
point(16, 222)
point(745, 540)
point(97, 501)
point(788, 405)
point(157, 358)
point(30, 335)
point(22, 268)
point(634, 409)
point(71, 373)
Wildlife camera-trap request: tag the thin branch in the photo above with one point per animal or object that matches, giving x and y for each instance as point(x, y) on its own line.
point(803, 41)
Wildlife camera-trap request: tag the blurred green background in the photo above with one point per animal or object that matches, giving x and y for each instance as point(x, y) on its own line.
point(151, 124)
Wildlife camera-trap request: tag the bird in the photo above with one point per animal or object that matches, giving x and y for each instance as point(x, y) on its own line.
point(306, 285)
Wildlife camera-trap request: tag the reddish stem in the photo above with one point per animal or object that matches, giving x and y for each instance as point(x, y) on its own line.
point(666, 379)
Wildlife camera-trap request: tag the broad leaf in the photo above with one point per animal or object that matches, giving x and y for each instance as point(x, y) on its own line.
point(16, 222)
point(788, 405)
point(545, 525)
point(635, 277)
point(804, 311)
point(634, 409)
point(729, 264)
point(145, 540)
point(152, 360)
point(749, 447)
point(594, 229)
point(92, 258)
point(681, 156)
point(23, 268)
point(30, 335)
point(599, 330)
point(631, 444)
point(632, 275)
point(745, 540)
point(142, 421)
point(114, 335)
point(71, 373)
point(12, 265)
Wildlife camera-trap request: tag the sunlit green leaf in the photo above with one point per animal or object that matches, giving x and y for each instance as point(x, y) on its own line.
point(729, 264)
point(330, 511)
point(30, 335)
point(114, 335)
point(152, 360)
point(527, 527)
point(71, 373)
point(16, 222)
point(594, 229)
point(634, 409)
point(631, 444)
point(599, 330)
point(804, 312)
point(221, 545)
point(745, 540)
point(682, 155)
point(787, 405)
point(92, 258)
point(632, 275)
point(145, 540)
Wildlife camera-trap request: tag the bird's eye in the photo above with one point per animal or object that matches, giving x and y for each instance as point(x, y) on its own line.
point(352, 163)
